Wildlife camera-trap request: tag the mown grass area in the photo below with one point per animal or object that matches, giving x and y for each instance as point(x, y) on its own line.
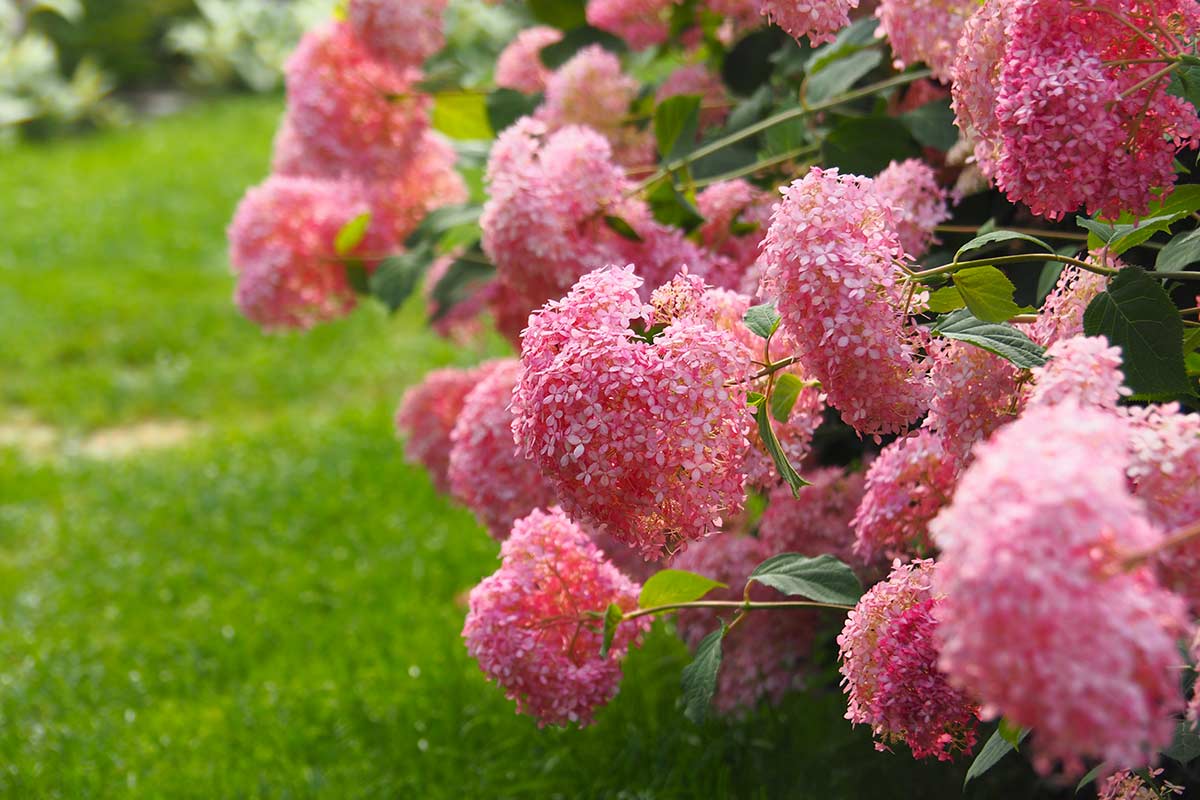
point(273, 608)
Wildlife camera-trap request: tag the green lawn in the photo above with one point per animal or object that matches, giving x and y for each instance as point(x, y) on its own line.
point(272, 608)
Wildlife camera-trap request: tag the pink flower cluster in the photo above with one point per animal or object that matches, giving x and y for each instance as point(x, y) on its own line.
point(520, 65)
point(530, 628)
point(1040, 620)
point(485, 471)
point(819, 20)
point(1126, 785)
point(699, 80)
point(920, 205)
point(906, 486)
point(974, 393)
point(764, 657)
point(818, 521)
point(401, 31)
point(1061, 315)
point(1082, 369)
point(641, 23)
point(1067, 104)
point(830, 256)
point(736, 218)
point(428, 413)
point(643, 441)
point(889, 668)
point(925, 30)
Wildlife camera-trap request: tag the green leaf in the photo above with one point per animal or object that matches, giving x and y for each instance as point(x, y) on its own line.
point(612, 620)
point(562, 51)
point(357, 277)
point(988, 293)
point(1091, 775)
point(1128, 232)
point(1137, 315)
point(506, 106)
point(673, 586)
point(1185, 83)
point(1048, 279)
point(1180, 253)
point(946, 299)
point(837, 76)
point(866, 145)
point(824, 579)
point(854, 37)
point(749, 65)
point(466, 276)
point(765, 432)
point(784, 395)
point(561, 14)
point(762, 320)
point(999, 338)
point(1186, 745)
point(998, 236)
point(676, 121)
point(442, 221)
point(351, 234)
point(1010, 732)
point(622, 228)
point(670, 207)
point(932, 125)
point(395, 279)
point(993, 750)
point(700, 677)
point(1191, 340)
point(462, 115)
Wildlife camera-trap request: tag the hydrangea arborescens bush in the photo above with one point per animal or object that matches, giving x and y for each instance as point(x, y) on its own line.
point(794, 290)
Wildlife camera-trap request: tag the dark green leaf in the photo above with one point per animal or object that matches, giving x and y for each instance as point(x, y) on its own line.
point(998, 236)
point(999, 338)
point(993, 750)
point(357, 277)
point(1191, 340)
point(824, 579)
point(676, 121)
point(1092, 774)
point(441, 221)
point(1137, 315)
point(988, 293)
point(673, 586)
point(622, 228)
point(351, 234)
point(670, 207)
point(866, 145)
point(395, 279)
point(749, 65)
point(1185, 83)
point(465, 276)
point(612, 620)
point(1048, 279)
point(1180, 253)
point(506, 106)
point(762, 320)
point(770, 441)
point(784, 395)
point(946, 299)
point(700, 677)
point(562, 51)
point(857, 35)
point(837, 76)
point(561, 14)
point(1128, 233)
point(932, 125)
point(462, 115)
point(1185, 748)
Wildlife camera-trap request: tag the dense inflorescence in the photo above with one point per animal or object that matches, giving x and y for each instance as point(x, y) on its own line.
point(920, 205)
point(405, 33)
point(818, 521)
point(889, 668)
point(520, 66)
point(641, 23)
point(925, 30)
point(1041, 619)
point(830, 257)
point(1082, 369)
point(529, 625)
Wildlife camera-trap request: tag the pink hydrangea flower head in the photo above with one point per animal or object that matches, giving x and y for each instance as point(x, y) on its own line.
point(736, 215)
point(819, 20)
point(403, 32)
point(351, 112)
point(529, 625)
point(920, 205)
point(1083, 369)
point(428, 413)
point(1164, 471)
point(764, 657)
point(925, 30)
point(520, 64)
point(592, 91)
point(641, 23)
point(830, 257)
point(906, 486)
point(889, 669)
point(485, 472)
point(975, 79)
point(1061, 316)
point(429, 181)
point(818, 521)
point(1074, 82)
point(1041, 620)
point(1126, 785)
point(645, 441)
point(281, 245)
point(698, 79)
point(974, 393)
